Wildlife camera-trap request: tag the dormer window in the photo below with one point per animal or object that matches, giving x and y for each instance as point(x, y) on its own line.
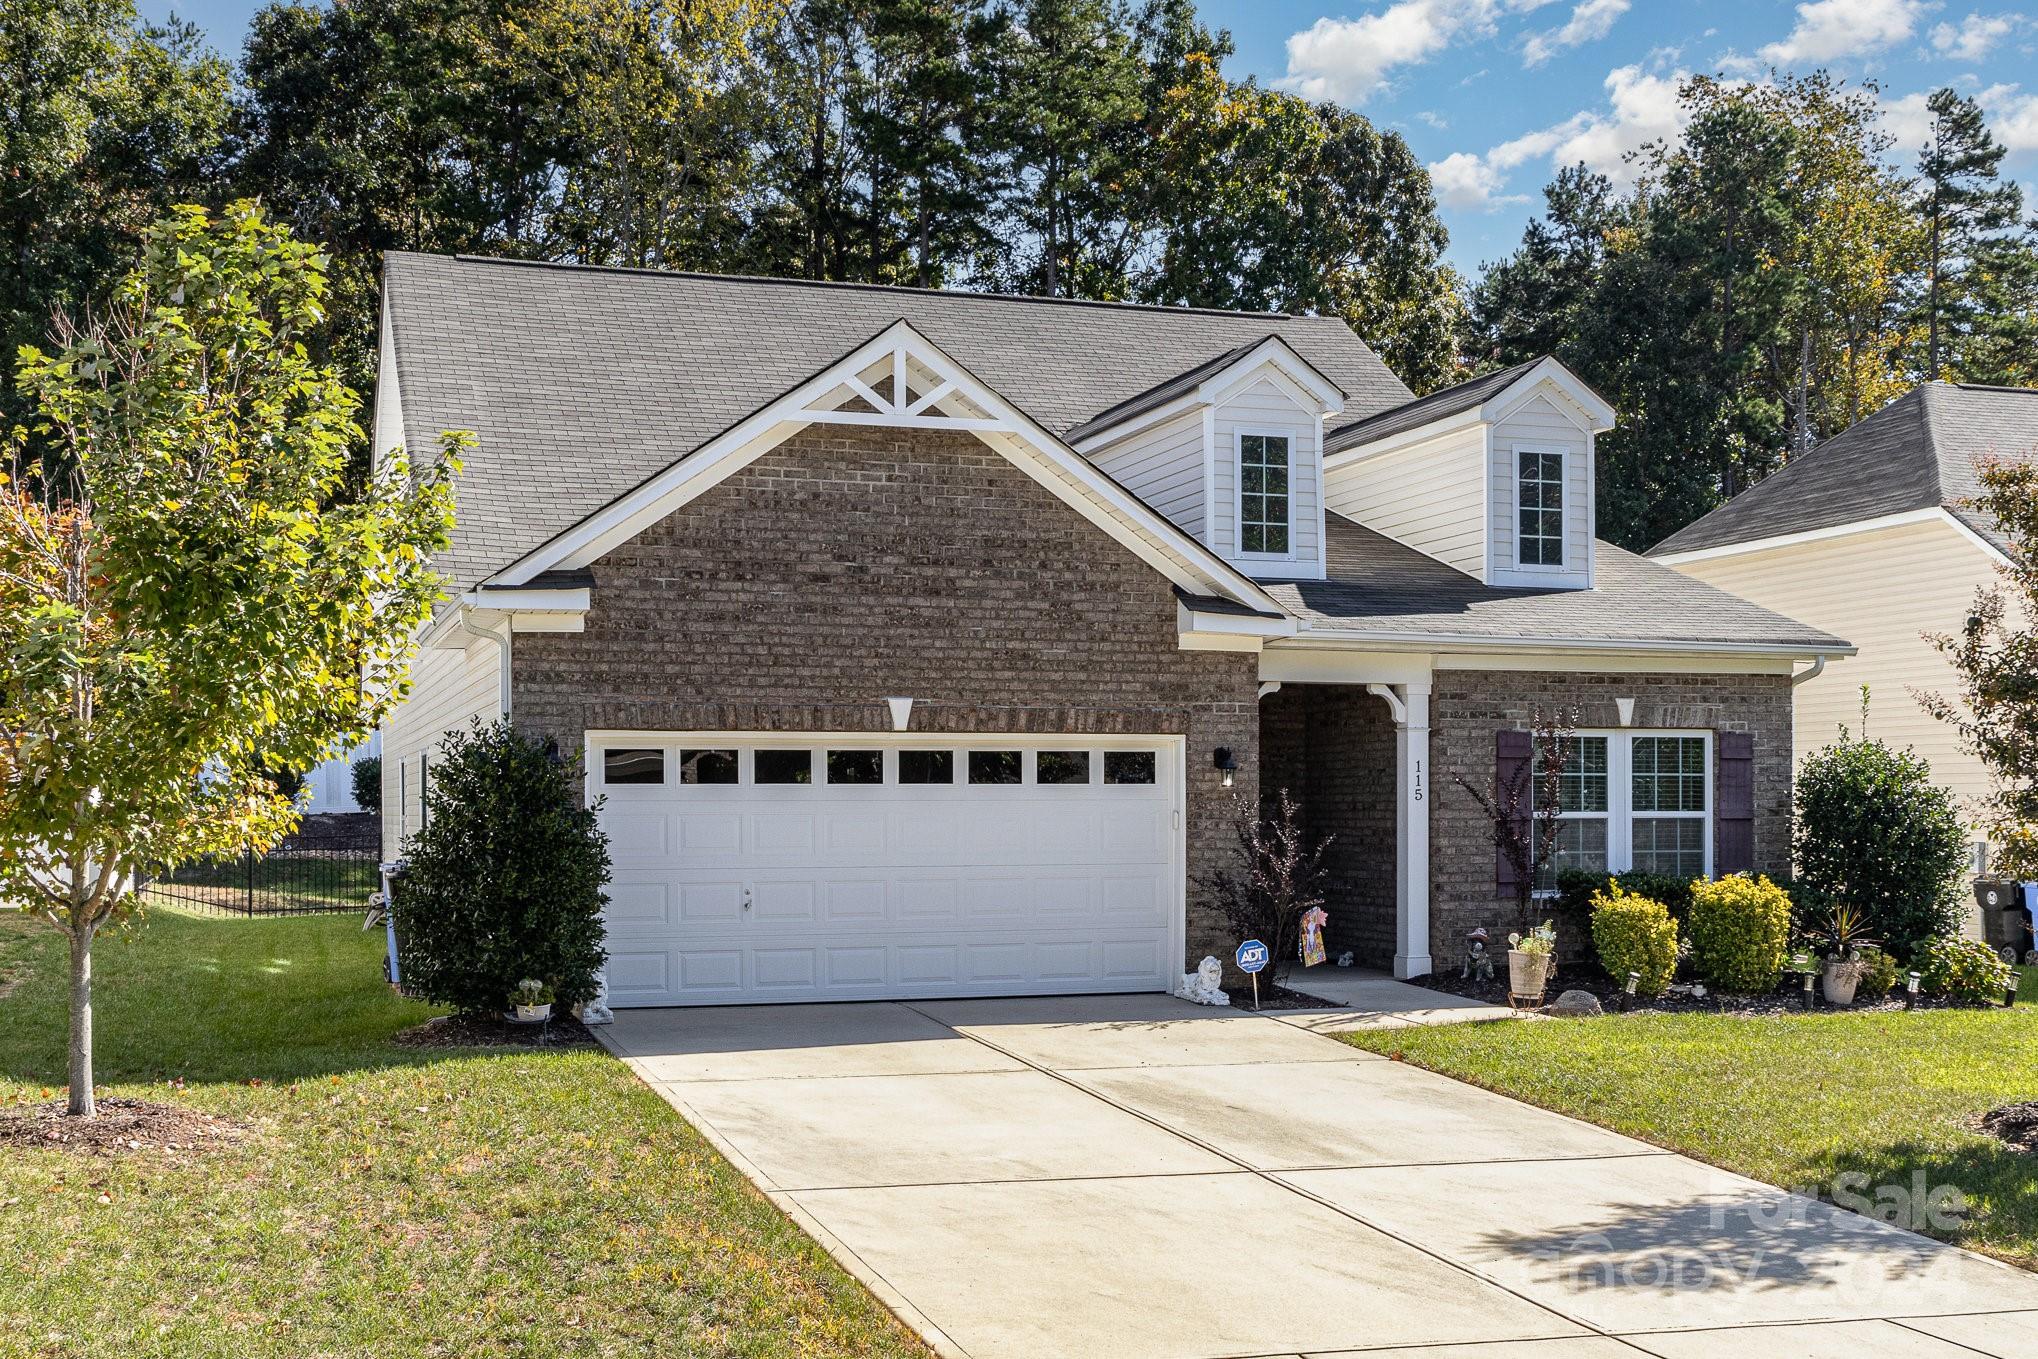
point(1540, 486)
point(1264, 519)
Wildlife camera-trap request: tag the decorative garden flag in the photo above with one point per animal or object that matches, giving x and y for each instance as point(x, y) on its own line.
point(1313, 921)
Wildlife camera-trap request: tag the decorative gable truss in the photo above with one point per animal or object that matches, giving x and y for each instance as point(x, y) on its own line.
point(899, 379)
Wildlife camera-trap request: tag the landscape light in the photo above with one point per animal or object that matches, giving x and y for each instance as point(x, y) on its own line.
point(1911, 991)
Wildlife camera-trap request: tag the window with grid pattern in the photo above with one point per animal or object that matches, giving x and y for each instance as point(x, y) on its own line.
point(1263, 493)
point(1540, 485)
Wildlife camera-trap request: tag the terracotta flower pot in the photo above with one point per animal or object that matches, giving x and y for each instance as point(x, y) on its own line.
point(1528, 974)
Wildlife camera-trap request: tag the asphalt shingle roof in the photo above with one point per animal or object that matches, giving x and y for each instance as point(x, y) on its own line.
point(1919, 451)
point(1378, 585)
point(581, 383)
point(1413, 414)
point(1155, 397)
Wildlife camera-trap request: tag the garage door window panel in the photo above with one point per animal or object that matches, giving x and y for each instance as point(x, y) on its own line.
point(1062, 766)
point(856, 766)
point(1129, 766)
point(926, 766)
point(633, 767)
point(996, 767)
point(776, 767)
point(708, 766)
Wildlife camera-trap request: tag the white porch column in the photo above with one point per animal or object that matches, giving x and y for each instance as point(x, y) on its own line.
point(1410, 706)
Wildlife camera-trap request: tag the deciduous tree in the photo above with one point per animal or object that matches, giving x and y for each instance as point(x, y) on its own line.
point(183, 605)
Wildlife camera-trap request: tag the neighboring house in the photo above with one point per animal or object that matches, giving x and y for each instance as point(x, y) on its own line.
point(329, 787)
point(1873, 535)
point(926, 644)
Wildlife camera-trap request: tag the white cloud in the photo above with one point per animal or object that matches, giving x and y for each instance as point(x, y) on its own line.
point(1433, 119)
point(1590, 21)
point(1641, 107)
point(1349, 59)
point(1830, 29)
point(1974, 36)
point(1466, 182)
point(2012, 115)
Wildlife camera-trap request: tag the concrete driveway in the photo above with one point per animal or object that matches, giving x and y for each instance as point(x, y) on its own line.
point(1140, 1178)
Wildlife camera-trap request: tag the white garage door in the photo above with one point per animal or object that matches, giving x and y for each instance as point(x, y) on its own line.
point(862, 867)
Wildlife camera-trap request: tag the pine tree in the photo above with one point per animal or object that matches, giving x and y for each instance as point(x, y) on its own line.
point(1963, 203)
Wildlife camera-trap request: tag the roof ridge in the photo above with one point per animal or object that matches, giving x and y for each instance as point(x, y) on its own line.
point(853, 286)
point(1994, 387)
point(1928, 397)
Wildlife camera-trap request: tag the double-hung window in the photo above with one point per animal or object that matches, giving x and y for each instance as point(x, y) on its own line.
point(1263, 494)
point(1635, 800)
point(1539, 486)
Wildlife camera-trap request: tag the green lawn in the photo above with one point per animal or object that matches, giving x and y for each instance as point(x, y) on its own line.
point(1793, 1100)
point(308, 881)
point(394, 1202)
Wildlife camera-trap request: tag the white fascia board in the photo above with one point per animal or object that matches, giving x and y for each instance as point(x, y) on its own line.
point(573, 600)
point(1311, 388)
point(1073, 478)
point(1440, 642)
point(1548, 372)
point(1930, 514)
point(1188, 619)
point(1405, 439)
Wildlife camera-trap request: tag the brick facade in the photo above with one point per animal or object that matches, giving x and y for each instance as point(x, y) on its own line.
point(850, 564)
point(1332, 747)
point(1468, 706)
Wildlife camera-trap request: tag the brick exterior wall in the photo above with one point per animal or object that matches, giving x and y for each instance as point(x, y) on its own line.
point(1332, 747)
point(849, 564)
point(1468, 706)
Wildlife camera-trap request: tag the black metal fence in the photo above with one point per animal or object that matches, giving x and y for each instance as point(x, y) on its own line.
point(324, 867)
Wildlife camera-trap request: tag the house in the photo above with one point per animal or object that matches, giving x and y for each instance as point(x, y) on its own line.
point(329, 786)
point(929, 644)
point(1873, 535)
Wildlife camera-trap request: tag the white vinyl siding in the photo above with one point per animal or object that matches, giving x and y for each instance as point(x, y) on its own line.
point(449, 689)
point(1264, 408)
point(1164, 467)
point(1543, 425)
point(1882, 590)
point(1431, 496)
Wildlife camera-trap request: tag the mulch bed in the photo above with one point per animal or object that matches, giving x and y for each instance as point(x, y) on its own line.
point(486, 1031)
point(1787, 998)
point(2016, 1125)
point(122, 1127)
point(1273, 997)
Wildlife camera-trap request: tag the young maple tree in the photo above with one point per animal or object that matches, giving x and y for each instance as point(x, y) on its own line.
point(1525, 809)
point(190, 595)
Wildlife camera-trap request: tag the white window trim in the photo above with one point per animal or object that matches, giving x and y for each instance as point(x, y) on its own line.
point(1620, 793)
point(1564, 567)
point(1239, 434)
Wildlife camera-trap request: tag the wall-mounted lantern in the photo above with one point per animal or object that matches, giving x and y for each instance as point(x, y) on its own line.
point(1227, 764)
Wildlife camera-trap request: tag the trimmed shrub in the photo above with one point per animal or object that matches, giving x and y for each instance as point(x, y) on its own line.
point(1739, 929)
point(1963, 969)
point(366, 779)
point(1634, 933)
point(1576, 887)
point(1881, 974)
point(504, 880)
point(1874, 832)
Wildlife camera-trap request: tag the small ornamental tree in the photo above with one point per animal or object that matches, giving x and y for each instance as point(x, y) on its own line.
point(188, 605)
point(1874, 832)
point(1276, 875)
point(504, 879)
point(366, 780)
point(1995, 655)
point(1525, 809)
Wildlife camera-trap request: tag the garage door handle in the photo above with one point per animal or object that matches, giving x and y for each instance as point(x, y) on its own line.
point(746, 898)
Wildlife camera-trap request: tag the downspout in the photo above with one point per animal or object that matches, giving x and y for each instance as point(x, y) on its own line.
point(1818, 664)
point(502, 643)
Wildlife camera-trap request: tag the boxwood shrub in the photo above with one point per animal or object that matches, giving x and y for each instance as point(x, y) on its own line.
point(504, 879)
point(1634, 933)
point(1739, 929)
point(1963, 969)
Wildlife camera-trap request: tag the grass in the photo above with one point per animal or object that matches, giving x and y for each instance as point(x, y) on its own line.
point(394, 1202)
point(308, 881)
point(1793, 1100)
point(2027, 986)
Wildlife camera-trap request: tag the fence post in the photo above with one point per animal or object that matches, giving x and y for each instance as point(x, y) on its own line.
point(248, 853)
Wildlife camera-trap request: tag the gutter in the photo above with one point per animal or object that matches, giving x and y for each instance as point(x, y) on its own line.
point(1431, 641)
point(1818, 666)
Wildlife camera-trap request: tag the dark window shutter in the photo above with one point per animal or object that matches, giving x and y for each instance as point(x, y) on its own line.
point(1511, 752)
point(1734, 817)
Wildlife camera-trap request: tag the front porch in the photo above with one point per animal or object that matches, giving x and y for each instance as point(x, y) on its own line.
point(1355, 757)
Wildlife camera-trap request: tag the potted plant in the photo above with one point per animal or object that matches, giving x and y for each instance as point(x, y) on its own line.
point(531, 1002)
point(1528, 960)
point(1843, 967)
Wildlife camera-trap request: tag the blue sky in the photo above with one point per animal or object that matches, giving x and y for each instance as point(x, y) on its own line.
point(1495, 94)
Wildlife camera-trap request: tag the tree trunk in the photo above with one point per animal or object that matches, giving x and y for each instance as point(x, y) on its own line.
point(81, 1104)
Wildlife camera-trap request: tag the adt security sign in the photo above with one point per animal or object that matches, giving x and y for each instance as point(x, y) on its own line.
point(1252, 956)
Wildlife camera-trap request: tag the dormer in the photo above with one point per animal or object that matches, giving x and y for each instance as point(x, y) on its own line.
point(1493, 476)
point(1231, 451)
